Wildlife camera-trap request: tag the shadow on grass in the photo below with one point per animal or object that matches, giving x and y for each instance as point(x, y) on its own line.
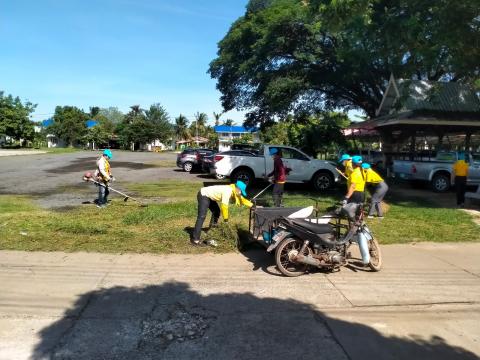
point(172, 321)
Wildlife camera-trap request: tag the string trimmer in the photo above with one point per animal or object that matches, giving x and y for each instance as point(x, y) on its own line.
point(89, 178)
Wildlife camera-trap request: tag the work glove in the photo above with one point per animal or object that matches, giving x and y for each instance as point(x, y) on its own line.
point(344, 202)
point(112, 178)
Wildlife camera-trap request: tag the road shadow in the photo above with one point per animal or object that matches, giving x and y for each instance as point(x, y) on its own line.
point(172, 321)
point(86, 164)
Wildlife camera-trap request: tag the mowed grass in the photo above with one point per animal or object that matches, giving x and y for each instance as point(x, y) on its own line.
point(164, 227)
point(121, 227)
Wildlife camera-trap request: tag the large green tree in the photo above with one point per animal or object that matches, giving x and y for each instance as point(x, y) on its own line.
point(302, 56)
point(158, 119)
point(69, 124)
point(113, 114)
point(14, 118)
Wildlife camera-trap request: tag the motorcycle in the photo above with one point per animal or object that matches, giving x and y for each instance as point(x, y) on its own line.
point(300, 243)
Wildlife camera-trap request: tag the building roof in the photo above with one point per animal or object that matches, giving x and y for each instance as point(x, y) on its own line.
point(233, 129)
point(89, 123)
point(404, 95)
point(47, 122)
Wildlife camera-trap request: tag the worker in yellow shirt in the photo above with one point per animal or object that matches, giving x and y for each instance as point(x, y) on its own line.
point(355, 183)
point(378, 190)
point(460, 173)
point(208, 198)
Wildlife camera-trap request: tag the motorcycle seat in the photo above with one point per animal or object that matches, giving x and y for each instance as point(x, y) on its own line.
point(314, 228)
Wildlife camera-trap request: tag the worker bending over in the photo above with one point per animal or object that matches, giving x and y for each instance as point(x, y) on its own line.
point(209, 197)
point(378, 190)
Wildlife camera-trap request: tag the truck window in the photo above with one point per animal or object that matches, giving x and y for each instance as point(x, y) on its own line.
point(292, 154)
point(446, 156)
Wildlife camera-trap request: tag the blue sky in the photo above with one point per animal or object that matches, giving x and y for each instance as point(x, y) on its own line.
point(114, 53)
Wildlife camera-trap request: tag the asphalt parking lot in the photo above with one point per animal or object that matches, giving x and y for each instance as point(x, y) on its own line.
point(55, 180)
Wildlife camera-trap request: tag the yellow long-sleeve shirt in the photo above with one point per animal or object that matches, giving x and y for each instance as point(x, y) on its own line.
point(372, 177)
point(460, 168)
point(224, 194)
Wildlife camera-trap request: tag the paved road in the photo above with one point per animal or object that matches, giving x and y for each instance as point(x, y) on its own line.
point(424, 305)
point(56, 179)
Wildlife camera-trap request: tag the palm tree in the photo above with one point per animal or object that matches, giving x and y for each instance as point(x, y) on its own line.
point(228, 122)
point(217, 116)
point(181, 127)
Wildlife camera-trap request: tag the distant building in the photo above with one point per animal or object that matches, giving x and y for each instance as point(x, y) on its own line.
point(226, 135)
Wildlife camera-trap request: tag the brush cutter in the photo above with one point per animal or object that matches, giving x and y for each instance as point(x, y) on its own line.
point(89, 178)
point(261, 192)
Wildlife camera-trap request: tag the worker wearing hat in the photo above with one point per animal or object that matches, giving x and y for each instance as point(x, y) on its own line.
point(346, 161)
point(355, 183)
point(460, 173)
point(208, 198)
point(378, 189)
point(279, 174)
point(104, 176)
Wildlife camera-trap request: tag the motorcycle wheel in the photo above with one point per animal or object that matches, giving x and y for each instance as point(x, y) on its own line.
point(288, 248)
point(375, 255)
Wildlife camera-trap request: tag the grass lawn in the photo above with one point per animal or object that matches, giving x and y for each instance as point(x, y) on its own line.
point(163, 227)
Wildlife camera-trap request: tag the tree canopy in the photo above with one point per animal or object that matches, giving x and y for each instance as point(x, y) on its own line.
point(302, 56)
point(14, 117)
point(69, 124)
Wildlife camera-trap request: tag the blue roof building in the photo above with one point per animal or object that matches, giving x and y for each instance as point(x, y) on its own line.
point(226, 135)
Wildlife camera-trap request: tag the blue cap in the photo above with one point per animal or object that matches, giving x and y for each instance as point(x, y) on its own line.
point(344, 157)
point(357, 159)
point(242, 186)
point(366, 166)
point(107, 153)
point(273, 151)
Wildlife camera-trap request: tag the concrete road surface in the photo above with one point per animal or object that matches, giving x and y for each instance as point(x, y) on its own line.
point(423, 305)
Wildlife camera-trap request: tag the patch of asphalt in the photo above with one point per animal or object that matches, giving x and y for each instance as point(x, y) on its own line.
point(55, 181)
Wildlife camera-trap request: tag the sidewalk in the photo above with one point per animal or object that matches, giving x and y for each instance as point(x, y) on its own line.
point(20, 152)
point(424, 304)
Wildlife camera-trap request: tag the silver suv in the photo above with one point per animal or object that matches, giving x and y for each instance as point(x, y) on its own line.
point(189, 159)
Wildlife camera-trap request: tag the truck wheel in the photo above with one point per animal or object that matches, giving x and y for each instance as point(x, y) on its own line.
point(322, 181)
point(187, 166)
point(244, 175)
point(440, 183)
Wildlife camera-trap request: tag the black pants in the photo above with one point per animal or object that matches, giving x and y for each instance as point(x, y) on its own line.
point(358, 197)
point(278, 194)
point(204, 203)
point(460, 187)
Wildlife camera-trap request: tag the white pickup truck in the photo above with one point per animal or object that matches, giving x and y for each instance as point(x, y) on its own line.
point(320, 173)
point(437, 171)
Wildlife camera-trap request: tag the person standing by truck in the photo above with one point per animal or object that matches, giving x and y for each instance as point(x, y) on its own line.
point(355, 183)
point(460, 173)
point(279, 174)
point(378, 190)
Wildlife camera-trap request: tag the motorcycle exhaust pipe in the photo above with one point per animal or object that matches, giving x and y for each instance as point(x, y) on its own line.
point(309, 260)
